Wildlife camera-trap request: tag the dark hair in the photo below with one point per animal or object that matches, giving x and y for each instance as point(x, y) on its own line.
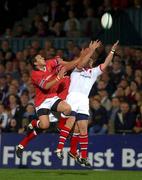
point(30, 104)
point(31, 61)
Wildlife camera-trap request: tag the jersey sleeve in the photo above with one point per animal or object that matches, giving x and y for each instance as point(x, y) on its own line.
point(77, 70)
point(41, 81)
point(52, 63)
point(97, 71)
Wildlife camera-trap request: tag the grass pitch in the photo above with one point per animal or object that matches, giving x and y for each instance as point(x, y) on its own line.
point(28, 174)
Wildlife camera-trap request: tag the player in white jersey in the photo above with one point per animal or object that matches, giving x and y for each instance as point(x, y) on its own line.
point(80, 86)
point(82, 79)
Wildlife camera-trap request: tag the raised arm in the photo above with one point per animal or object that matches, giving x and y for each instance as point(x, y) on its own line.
point(87, 53)
point(68, 65)
point(45, 82)
point(60, 75)
point(109, 57)
point(72, 64)
point(81, 61)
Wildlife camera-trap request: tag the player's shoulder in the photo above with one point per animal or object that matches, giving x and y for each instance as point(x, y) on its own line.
point(97, 70)
point(51, 61)
point(35, 74)
point(78, 69)
point(96, 67)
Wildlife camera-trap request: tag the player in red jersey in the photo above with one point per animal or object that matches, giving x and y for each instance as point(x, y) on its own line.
point(45, 77)
point(46, 80)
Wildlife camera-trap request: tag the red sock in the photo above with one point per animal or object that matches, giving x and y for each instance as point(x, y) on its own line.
point(35, 123)
point(63, 136)
point(28, 138)
point(62, 122)
point(73, 143)
point(83, 140)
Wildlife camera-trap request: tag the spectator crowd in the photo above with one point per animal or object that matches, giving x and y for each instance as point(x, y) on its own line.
point(71, 18)
point(115, 99)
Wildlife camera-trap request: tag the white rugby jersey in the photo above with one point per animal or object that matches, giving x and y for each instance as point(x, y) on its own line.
point(82, 81)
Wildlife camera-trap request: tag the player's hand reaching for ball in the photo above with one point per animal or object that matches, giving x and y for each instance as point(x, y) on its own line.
point(115, 46)
point(95, 44)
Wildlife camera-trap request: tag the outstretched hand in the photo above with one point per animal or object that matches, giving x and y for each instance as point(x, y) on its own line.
point(84, 52)
point(96, 44)
point(115, 46)
point(92, 46)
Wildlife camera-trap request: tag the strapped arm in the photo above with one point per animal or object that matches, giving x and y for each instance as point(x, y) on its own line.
point(109, 57)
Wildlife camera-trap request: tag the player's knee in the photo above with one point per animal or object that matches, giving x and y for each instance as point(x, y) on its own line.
point(70, 122)
point(64, 108)
point(44, 125)
point(83, 130)
point(76, 129)
point(67, 109)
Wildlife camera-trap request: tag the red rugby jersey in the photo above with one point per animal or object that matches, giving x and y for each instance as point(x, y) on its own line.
point(63, 87)
point(40, 79)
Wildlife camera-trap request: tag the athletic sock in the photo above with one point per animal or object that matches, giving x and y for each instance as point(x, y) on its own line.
point(35, 123)
point(83, 141)
point(73, 143)
point(28, 138)
point(63, 136)
point(62, 122)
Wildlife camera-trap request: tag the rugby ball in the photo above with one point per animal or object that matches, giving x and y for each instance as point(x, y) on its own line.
point(106, 20)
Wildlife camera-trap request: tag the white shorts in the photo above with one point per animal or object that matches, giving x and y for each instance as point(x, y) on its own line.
point(47, 103)
point(52, 118)
point(78, 102)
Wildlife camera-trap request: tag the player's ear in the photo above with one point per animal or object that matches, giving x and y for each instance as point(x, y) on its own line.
point(35, 63)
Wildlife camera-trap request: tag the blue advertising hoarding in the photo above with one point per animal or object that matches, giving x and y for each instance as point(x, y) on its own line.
point(105, 152)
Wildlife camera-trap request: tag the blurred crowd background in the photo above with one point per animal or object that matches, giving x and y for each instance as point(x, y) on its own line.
point(60, 27)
